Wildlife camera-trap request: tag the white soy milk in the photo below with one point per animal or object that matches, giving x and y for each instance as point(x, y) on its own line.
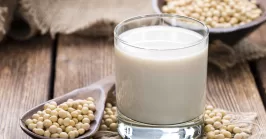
point(161, 86)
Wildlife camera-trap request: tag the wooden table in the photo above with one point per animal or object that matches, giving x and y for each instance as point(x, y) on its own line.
point(39, 69)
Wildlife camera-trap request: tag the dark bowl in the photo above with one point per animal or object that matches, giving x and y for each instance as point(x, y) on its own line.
point(157, 5)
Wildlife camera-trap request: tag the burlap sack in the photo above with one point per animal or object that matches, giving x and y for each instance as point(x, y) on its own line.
point(7, 8)
point(225, 56)
point(70, 16)
point(98, 18)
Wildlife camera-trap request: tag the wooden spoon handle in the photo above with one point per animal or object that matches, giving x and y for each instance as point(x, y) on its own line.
point(107, 84)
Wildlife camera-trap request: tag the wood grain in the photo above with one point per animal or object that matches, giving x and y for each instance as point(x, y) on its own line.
point(81, 61)
point(24, 80)
point(235, 90)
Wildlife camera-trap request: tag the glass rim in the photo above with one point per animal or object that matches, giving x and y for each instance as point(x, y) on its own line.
point(116, 36)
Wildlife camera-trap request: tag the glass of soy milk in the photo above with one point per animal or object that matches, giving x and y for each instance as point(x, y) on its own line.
point(161, 71)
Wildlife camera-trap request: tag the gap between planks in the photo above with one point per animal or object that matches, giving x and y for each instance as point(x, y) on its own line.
point(53, 67)
point(258, 67)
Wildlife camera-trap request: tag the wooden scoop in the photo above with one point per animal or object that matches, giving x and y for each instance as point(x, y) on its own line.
point(99, 91)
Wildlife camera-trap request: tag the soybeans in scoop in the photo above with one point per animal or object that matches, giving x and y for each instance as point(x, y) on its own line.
point(67, 120)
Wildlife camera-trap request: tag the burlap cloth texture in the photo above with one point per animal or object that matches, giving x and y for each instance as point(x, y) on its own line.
point(22, 19)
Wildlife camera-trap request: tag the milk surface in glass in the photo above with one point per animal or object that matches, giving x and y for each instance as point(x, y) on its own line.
point(162, 81)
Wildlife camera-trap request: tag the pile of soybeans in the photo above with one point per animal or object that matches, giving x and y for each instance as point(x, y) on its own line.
point(67, 120)
point(109, 121)
point(72, 119)
point(215, 13)
point(218, 125)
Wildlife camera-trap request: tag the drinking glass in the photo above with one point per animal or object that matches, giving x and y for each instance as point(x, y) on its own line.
point(161, 71)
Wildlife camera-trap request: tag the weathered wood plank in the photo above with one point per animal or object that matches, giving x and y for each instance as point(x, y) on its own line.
point(81, 61)
point(235, 90)
point(24, 81)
